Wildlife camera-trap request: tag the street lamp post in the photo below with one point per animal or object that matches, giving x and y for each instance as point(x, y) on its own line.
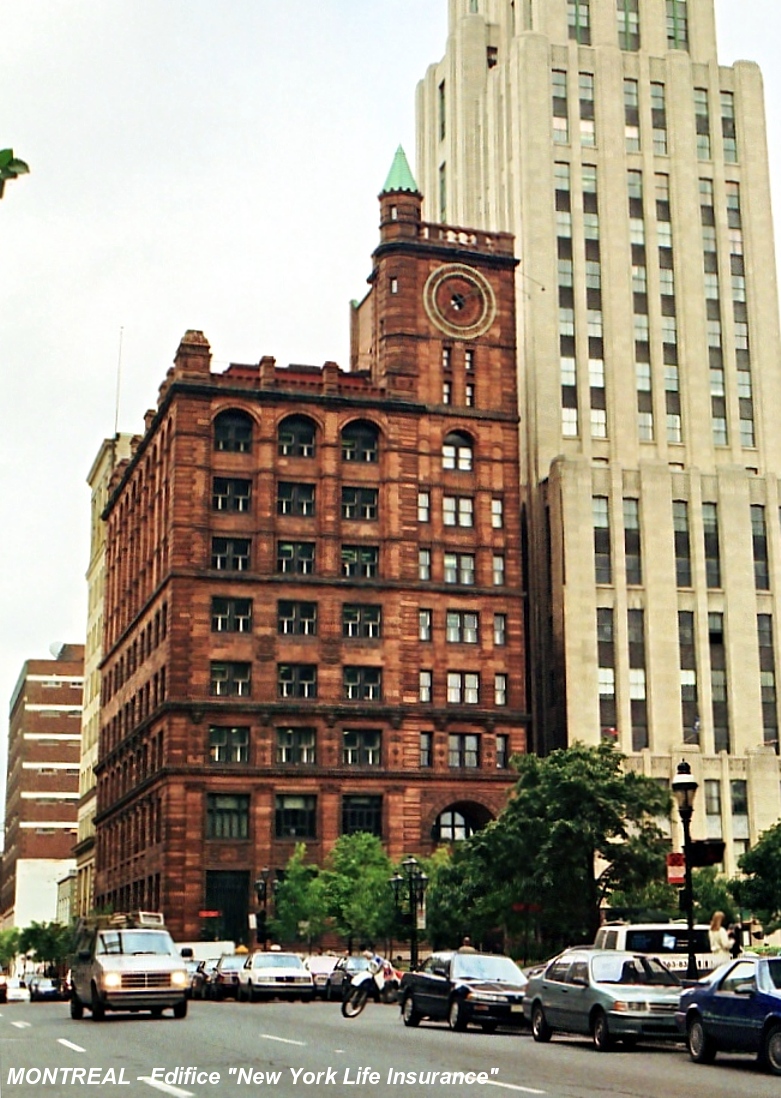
point(261, 888)
point(410, 885)
point(684, 787)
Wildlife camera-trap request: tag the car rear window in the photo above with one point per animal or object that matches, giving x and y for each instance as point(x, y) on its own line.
point(666, 940)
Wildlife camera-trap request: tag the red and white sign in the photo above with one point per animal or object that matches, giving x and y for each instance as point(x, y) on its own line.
point(676, 869)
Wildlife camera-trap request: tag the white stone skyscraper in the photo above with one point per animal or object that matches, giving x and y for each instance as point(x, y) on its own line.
point(633, 170)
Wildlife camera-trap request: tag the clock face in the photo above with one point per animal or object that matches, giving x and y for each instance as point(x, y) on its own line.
point(460, 301)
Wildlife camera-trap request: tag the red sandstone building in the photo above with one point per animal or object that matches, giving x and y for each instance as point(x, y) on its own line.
point(314, 612)
point(42, 791)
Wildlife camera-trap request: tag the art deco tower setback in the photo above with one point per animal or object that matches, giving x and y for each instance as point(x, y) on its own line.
point(313, 617)
point(632, 169)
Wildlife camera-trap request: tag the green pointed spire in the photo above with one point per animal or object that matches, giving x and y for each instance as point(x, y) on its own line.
point(400, 178)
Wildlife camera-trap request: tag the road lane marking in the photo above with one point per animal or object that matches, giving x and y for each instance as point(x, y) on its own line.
point(176, 1092)
point(21, 1025)
point(282, 1040)
point(70, 1044)
point(514, 1086)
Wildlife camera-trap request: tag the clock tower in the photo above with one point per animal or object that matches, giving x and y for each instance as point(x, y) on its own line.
point(441, 323)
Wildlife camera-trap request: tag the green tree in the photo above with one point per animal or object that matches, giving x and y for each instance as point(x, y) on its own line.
point(298, 912)
point(49, 943)
point(712, 892)
point(759, 891)
point(9, 947)
point(354, 888)
point(10, 167)
point(577, 827)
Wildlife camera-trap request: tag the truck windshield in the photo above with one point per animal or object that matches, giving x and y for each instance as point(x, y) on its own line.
point(135, 941)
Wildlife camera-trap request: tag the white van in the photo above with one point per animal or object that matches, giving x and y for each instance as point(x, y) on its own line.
point(667, 941)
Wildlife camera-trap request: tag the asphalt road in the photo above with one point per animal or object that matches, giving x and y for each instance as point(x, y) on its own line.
point(279, 1048)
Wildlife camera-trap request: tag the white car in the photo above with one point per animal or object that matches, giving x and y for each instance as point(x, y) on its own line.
point(321, 965)
point(16, 991)
point(275, 975)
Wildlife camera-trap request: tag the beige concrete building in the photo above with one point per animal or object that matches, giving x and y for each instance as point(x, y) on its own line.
point(111, 452)
point(632, 169)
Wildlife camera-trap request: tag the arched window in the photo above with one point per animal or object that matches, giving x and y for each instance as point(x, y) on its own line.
point(360, 442)
point(457, 452)
point(459, 821)
point(233, 432)
point(296, 437)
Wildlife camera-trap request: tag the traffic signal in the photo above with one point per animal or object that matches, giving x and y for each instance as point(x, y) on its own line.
point(706, 852)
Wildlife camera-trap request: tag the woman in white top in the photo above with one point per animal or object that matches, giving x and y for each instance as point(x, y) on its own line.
point(720, 941)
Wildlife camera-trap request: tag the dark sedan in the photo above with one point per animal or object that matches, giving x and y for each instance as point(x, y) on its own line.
point(43, 988)
point(484, 988)
point(736, 1009)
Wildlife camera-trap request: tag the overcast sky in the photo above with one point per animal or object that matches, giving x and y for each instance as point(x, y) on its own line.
point(207, 164)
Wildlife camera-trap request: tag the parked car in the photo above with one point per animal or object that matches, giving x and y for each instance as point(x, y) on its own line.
point(225, 982)
point(16, 991)
point(484, 988)
point(200, 985)
point(321, 966)
point(275, 975)
point(668, 942)
point(738, 1008)
point(44, 987)
point(3, 980)
point(609, 994)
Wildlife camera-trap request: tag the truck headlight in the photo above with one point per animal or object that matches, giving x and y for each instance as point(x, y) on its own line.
point(112, 980)
point(178, 979)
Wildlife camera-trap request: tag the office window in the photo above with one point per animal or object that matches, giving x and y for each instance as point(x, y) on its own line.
point(362, 812)
point(425, 686)
point(362, 683)
point(360, 561)
point(296, 746)
point(233, 432)
point(360, 442)
point(739, 795)
point(228, 745)
point(500, 630)
point(469, 394)
point(498, 570)
point(560, 110)
point(497, 513)
point(359, 504)
point(710, 525)
point(231, 615)
point(362, 621)
point(227, 816)
point(601, 523)
point(426, 749)
point(728, 133)
point(230, 680)
point(502, 751)
point(702, 123)
point(230, 554)
point(683, 563)
point(632, 545)
point(586, 94)
point(296, 437)
point(424, 506)
point(463, 688)
point(462, 627)
point(677, 25)
point(767, 679)
point(295, 499)
point(297, 619)
point(424, 625)
point(447, 392)
point(579, 21)
point(361, 747)
point(659, 118)
point(690, 716)
point(759, 542)
point(229, 494)
point(458, 511)
point(459, 568)
point(296, 557)
point(424, 564)
point(296, 680)
point(463, 751)
point(457, 452)
point(295, 816)
point(441, 110)
point(500, 689)
point(628, 16)
point(443, 192)
point(631, 115)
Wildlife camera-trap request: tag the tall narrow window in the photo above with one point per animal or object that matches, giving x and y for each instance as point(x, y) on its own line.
point(659, 119)
point(767, 679)
point(628, 15)
point(606, 656)
point(637, 685)
point(586, 93)
point(759, 543)
point(579, 21)
point(718, 684)
point(729, 137)
point(443, 192)
point(677, 25)
point(683, 557)
point(441, 110)
point(710, 525)
point(601, 520)
point(702, 121)
point(632, 554)
point(560, 112)
point(690, 714)
point(631, 115)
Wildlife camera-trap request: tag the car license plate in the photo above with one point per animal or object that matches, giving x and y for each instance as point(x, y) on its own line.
point(516, 1008)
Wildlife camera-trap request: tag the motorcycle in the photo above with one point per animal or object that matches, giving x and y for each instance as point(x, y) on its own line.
point(378, 980)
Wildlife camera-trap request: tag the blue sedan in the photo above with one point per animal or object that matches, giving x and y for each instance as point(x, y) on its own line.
point(735, 1009)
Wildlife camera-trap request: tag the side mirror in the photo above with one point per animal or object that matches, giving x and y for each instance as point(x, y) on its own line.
point(84, 955)
point(187, 953)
